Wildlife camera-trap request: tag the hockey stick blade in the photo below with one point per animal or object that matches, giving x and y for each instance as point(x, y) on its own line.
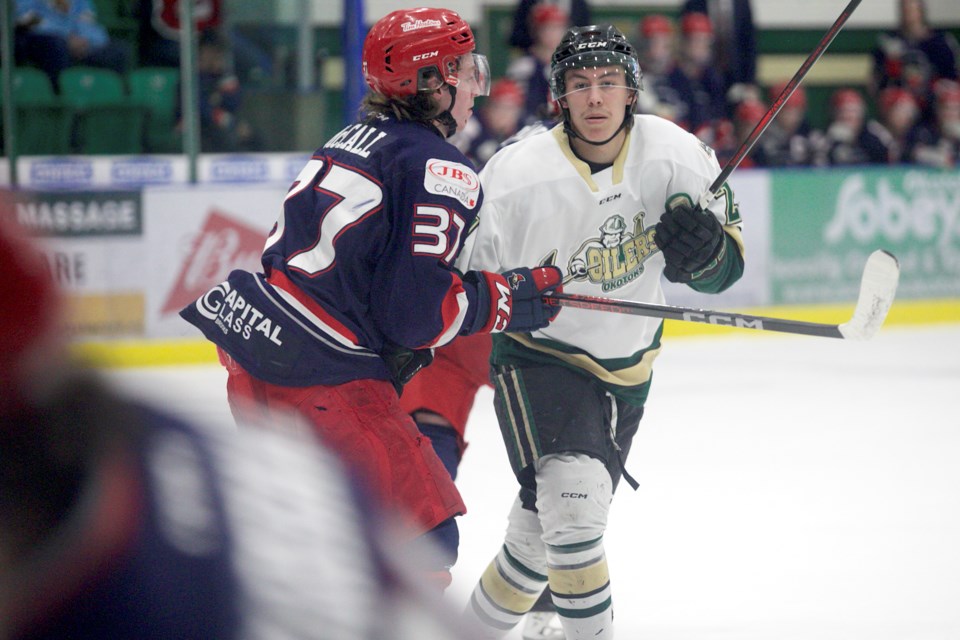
point(877, 289)
point(878, 286)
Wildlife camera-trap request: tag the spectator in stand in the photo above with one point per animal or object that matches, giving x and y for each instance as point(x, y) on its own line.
point(159, 37)
point(851, 139)
point(735, 48)
point(746, 115)
point(657, 48)
point(697, 89)
point(915, 56)
point(222, 127)
point(789, 141)
point(899, 112)
point(531, 71)
point(496, 120)
point(938, 144)
point(521, 34)
point(56, 34)
point(159, 28)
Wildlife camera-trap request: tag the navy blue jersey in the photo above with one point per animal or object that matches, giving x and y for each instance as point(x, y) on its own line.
point(358, 264)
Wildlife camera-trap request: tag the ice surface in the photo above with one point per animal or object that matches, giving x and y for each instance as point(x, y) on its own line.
point(790, 488)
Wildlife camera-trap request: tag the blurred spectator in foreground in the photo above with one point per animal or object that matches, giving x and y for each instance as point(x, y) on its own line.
point(56, 34)
point(531, 71)
point(851, 139)
point(498, 118)
point(789, 140)
point(938, 144)
point(696, 88)
point(119, 521)
point(735, 48)
point(899, 112)
point(222, 127)
point(915, 56)
point(657, 51)
point(521, 34)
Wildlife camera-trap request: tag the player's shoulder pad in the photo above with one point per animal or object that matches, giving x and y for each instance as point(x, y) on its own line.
point(667, 140)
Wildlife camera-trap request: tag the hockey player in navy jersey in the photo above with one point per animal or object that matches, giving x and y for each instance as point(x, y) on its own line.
point(358, 284)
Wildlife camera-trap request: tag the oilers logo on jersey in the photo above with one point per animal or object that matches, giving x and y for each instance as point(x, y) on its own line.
point(616, 257)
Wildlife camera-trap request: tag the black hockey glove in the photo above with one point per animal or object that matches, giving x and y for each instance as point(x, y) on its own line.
point(404, 363)
point(514, 299)
point(689, 238)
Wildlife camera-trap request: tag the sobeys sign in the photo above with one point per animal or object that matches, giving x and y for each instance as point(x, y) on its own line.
point(826, 222)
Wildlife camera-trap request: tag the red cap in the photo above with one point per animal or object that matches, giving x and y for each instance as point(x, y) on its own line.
point(846, 98)
point(749, 111)
point(798, 99)
point(892, 96)
point(30, 310)
point(545, 13)
point(507, 90)
point(946, 92)
point(656, 24)
point(695, 23)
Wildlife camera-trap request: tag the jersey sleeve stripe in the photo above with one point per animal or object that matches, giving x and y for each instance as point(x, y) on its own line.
point(453, 310)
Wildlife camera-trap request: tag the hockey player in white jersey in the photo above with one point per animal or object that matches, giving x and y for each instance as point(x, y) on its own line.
point(608, 197)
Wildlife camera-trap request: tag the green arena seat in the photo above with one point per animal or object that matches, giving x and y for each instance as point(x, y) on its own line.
point(107, 120)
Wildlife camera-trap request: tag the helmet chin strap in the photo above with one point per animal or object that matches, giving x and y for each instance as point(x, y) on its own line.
point(446, 119)
point(572, 133)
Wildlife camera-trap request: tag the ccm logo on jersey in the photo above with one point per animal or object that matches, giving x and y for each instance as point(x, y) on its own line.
point(230, 312)
point(447, 178)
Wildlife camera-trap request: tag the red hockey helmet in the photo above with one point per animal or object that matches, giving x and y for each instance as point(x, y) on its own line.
point(414, 50)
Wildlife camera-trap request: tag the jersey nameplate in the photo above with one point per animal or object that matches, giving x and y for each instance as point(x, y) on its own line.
point(357, 138)
point(452, 179)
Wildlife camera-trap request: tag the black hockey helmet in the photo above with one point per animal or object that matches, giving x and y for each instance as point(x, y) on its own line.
point(593, 46)
point(587, 48)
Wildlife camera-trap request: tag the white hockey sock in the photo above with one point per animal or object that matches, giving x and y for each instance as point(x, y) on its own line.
point(580, 583)
point(506, 591)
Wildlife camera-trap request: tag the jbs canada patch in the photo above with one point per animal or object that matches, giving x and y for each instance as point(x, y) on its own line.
point(452, 179)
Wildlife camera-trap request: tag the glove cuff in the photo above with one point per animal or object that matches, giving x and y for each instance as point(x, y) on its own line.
point(494, 302)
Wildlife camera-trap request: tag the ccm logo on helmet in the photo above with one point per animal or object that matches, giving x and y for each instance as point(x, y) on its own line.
point(425, 56)
point(591, 45)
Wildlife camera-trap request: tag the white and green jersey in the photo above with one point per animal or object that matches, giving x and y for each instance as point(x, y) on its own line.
point(543, 206)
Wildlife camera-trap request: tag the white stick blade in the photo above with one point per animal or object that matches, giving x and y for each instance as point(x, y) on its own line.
point(877, 289)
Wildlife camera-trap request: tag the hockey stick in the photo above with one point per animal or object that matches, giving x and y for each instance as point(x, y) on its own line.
point(878, 286)
point(713, 191)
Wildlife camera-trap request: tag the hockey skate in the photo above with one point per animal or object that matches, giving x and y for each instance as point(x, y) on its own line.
point(542, 625)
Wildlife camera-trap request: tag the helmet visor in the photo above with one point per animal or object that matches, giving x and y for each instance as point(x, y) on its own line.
point(470, 71)
point(606, 70)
